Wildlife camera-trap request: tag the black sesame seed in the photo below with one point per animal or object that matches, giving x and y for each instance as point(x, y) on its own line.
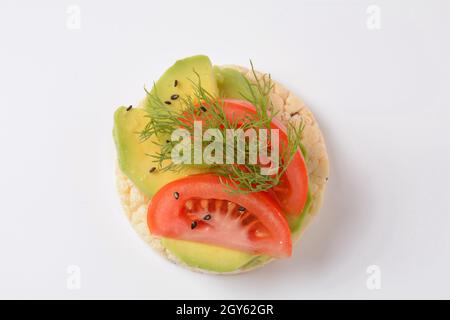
point(241, 209)
point(207, 217)
point(193, 225)
point(167, 141)
point(203, 108)
point(174, 97)
point(152, 169)
point(168, 102)
point(176, 195)
point(175, 83)
point(129, 107)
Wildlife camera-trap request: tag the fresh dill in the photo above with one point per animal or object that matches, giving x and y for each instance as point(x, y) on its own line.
point(242, 178)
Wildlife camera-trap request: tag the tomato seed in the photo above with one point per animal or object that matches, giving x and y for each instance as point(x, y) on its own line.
point(174, 97)
point(176, 195)
point(193, 225)
point(204, 204)
point(207, 217)
point(168, 102)
point(189, 204)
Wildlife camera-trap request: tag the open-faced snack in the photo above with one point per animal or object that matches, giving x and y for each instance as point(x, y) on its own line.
point(193, 197)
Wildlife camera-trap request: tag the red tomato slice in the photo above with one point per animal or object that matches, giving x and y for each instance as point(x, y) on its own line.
point(292, 191)
point(197, 208)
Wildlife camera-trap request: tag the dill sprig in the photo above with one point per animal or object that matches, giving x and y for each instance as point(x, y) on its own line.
point(242, 178)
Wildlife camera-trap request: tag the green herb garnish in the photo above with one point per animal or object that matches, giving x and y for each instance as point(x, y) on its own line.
point(242, 178)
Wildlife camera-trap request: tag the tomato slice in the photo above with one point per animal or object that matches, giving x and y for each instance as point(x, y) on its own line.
point(197, 208)
point(292, 191)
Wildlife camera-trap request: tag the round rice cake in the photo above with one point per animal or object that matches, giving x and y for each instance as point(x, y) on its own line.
point(291, 109)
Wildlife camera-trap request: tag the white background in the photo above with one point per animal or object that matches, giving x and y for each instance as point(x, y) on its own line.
point(381, 97)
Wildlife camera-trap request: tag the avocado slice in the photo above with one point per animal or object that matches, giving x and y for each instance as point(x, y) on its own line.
point(232, 84)
point(208, 257)
point(179, 81)
point(295, 224)
point(133, 154)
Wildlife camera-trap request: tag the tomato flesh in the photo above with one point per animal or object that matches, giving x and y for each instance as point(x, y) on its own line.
point(197, 208)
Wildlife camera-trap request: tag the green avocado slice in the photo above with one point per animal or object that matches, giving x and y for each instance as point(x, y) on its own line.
point(232, 84)
point(206, 256)
point(133, 154)
point(179, 81)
